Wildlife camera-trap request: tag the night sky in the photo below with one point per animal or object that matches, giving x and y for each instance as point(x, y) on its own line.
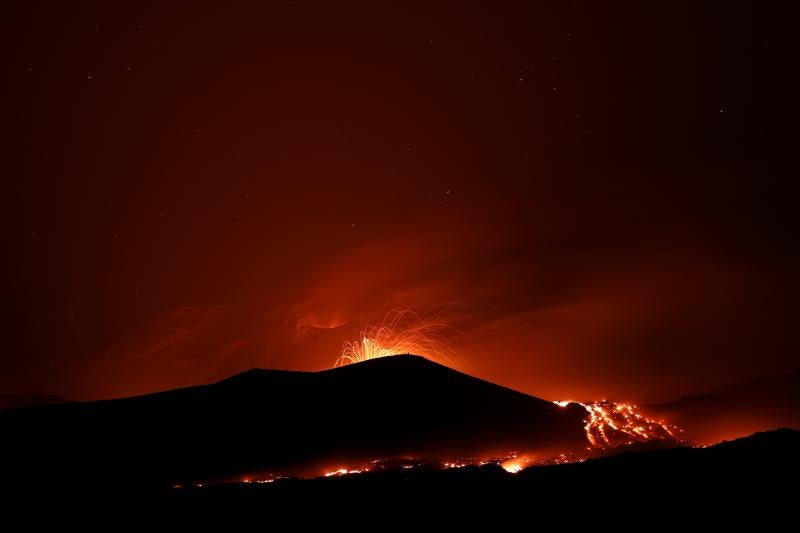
point(599, 196)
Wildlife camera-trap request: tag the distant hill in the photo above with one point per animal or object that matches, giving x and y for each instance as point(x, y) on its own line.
point(12, 401)
point(766, 455)
point(737, 409)
point(280, 420)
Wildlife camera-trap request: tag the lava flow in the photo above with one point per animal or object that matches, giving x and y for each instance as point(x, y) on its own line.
point(610, 424)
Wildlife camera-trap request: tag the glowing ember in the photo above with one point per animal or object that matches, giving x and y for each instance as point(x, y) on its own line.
point(515, 464)
point(401, 332)
point(345, 472)
point(611, 424)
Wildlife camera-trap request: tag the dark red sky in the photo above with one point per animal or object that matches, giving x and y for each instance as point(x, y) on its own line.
point(603, 191)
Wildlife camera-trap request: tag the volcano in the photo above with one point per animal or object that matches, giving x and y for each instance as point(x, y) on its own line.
point(282, 421)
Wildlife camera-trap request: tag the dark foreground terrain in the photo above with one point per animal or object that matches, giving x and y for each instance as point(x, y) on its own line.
point(189, 449)
point(751, 482)
point(279, 421)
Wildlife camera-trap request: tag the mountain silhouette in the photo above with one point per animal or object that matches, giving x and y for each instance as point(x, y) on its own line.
point(281, 421)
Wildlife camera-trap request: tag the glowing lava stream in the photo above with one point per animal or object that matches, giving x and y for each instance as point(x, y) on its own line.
point(609, 424)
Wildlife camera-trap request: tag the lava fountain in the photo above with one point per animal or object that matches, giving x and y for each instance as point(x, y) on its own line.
point(400, 332)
